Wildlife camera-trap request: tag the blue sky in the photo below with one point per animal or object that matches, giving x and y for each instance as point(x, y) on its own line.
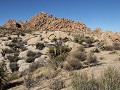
point(94, 13)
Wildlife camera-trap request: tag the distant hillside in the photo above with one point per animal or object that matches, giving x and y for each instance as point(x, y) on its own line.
point(43, 21)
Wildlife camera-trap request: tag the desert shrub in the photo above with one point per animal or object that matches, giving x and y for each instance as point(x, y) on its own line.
point(13, 58)
point(23, 48)
point(83, 82)
point(56, 84)
point(40, 46)
point(7, 51)
point(89, 40)
point(79, 39)
point(29, 82)
point(110, 79)
point(108, 48)
point(14, 66)
point(9, 38)
point(101, 58)
point(46, 72)
point(58, 60)
point(61, 57)
point(22, 33)
point(14, 40)
point(95, 50)
point(54, 40)
point(30, 59)
point(65, 49)
point(67, 66)
point(31, 53)
point(11, 44)
point(113, 52)
point(65, 39)
point(3, 76)
point(75, 63)
point(38, 64)
point(14, 76)
point(38, 54)
point(51, 50)
point(116, 46)
point(91, 58)
point(80, 55)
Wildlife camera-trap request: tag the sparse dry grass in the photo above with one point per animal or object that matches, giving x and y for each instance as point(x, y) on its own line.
point(108, 80)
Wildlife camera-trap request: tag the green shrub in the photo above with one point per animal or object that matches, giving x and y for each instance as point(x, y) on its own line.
point(65, 49)
point(51, 50)
point(79, 39)
point(40, 46)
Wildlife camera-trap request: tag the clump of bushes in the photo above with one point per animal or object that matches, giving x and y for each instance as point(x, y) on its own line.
point(29, 82)
point(114, 46)
point(108, 80)
point(51, 49)
point(108, 48)
point(8, 51)
point(14, 75)
point(13, 58)
point(30, 59)
point(95, 50)
point(14, 66)
point(88, 40)
point(83, 82)
point(32, 55)
point(80, 55)
point(65, 49)
point(91, 58)
point(75, 63)
point(40, 46)
point(56, 84)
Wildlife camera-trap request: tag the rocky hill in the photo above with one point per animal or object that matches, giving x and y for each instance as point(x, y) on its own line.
point(45, 22)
